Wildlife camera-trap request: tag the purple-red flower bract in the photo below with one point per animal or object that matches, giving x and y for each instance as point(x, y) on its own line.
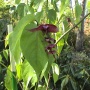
point(46, 28)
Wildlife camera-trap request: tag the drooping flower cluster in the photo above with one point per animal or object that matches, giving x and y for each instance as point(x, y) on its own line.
point(48, 28)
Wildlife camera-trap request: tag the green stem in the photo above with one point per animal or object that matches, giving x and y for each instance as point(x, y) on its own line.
point(14, 81)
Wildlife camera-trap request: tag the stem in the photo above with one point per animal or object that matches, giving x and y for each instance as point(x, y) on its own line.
point(72, 28)
point(48, 81)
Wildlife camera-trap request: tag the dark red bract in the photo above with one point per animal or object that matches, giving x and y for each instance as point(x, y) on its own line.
point(49, 49)
point(50, 40)
point(46, 28)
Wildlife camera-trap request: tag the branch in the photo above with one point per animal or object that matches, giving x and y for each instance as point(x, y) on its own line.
point(72, 28)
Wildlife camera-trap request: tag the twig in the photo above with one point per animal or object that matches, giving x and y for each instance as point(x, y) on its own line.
point(72, 28)
point(48, 81)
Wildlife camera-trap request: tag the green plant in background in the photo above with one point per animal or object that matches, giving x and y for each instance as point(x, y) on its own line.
point(36, 49)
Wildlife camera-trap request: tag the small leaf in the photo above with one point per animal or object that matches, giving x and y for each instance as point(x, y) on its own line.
point(19, 71)
point(52, 16)
point(41, 87)
point(73, 84)
point(55, 70)
point(78, 12)
point(60, 43)
point(6, 40)
point(64, 82)
point(20, 9)
point(0, 58)
point(5, 53)
point(63, 6)
point(8, 78)
point(88, 5)
point(28, 73)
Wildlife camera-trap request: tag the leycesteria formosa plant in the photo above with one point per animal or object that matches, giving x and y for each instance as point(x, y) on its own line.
point(46, 29)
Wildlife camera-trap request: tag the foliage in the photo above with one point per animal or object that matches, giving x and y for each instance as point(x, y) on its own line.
point(74, 67)
point(36, 67)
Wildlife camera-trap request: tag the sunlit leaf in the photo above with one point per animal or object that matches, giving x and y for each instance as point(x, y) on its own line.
point(28, 73)
point(41, 87)
point(78, 12)
point(8, 83)
point(88, 5)
point(55, 70)
point(63, 6)
point(60, 43)
point(14, 40)
point(19, 71)
point(0, 58)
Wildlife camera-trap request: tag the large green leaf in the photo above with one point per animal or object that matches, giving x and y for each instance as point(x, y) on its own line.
point(33, 49)
point(14, 39)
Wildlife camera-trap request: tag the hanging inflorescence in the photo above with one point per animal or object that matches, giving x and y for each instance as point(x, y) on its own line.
point(48, 28)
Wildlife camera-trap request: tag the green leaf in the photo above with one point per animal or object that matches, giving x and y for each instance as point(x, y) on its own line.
point(0, 58)
point(50, 61)
point(33, 49)
point(17, 1)
point(39, 16)
point(78, 12)
point(64, 82)
point(5, 53)
point(42, 88)
point(28, 73)
point(73, 84)
point(19, 71)
point(55, 69)
point(60, 44)
point(8, 78)
point(52, 16)
point(63, 6)
point(88, 5)
point(20, 9)
point(14, 39)
point(6, 40)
